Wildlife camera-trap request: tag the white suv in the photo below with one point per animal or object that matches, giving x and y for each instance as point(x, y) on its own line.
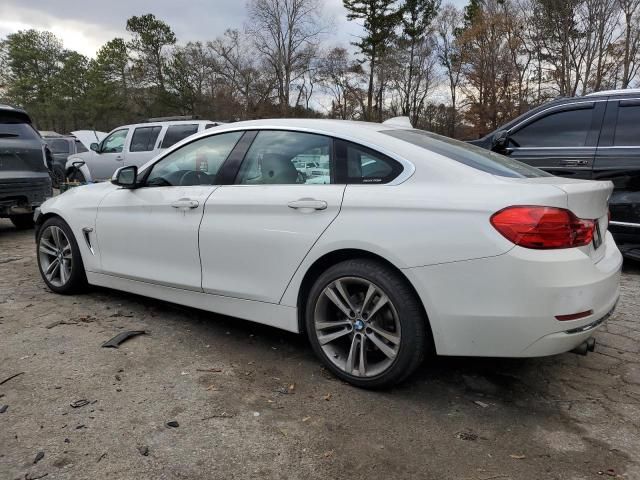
point(131, 145)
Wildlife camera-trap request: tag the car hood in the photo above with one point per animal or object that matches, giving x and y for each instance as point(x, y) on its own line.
point(87, 137)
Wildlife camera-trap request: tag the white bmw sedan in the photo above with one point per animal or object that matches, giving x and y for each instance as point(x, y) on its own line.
point(412, 243)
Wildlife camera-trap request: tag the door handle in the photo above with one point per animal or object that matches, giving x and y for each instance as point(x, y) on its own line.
point(308, 203)
point(574, 162)
point(119, 158)
point(185, 203)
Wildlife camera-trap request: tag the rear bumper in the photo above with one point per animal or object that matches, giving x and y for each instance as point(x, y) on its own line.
point(22, 195)
point(505, 306)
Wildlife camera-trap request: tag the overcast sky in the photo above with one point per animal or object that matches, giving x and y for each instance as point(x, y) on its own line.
point(85, 25)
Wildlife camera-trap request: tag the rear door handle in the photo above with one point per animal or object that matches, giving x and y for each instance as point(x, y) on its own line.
point(185, 203)
point(308, 203)
point(574, 162)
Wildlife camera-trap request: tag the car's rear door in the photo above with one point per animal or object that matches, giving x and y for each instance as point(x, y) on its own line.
point(618, 160)
point(561, 140)
point(150, 233)
point(141, 148)
point(256, 231)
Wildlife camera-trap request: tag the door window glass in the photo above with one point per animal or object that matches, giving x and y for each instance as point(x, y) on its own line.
point(628, 126)
point(196, 163)
point(114, 142)
point(58, 145)
point(175, 133)
point(561, 129)
point(144, 139)
point(285, 158)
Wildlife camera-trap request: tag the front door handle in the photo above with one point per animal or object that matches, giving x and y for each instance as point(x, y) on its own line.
point(308, 203)
point(119, 158)
point(185, 203)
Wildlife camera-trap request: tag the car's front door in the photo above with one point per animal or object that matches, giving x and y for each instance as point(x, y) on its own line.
point(561, 141)
point(256, 232)
point(150, 233)
point(109, 157)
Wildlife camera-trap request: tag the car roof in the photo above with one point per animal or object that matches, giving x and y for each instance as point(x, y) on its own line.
point(165, 122)
point(17, 113)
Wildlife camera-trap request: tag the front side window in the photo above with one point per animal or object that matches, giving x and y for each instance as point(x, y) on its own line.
point(628, 125)
point(58, 145)
point(175, 133)
point(144, 139)
point(567, 128)
point(287, 158)
point(114, 143)
point(196, 163)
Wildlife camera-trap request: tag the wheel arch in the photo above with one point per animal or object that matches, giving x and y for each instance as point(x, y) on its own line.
point(336, 256)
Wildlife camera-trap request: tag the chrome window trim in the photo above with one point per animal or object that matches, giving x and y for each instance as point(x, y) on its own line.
point(550, 109)
point(625, 224)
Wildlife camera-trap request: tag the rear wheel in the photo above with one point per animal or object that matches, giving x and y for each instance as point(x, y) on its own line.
point(366, 324)
point(23, 221)
point(59, 258)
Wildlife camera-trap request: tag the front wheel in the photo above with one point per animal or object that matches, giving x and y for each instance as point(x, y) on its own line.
point(59, 259)
point(366, 324)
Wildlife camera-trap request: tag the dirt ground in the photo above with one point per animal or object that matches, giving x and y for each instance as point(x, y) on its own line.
point(252, 401)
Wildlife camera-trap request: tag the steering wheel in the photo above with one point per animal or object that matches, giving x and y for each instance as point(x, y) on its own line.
point(194, 177)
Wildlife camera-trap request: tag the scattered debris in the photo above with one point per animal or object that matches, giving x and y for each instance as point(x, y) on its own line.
point(173, 424)
point(79, 403)
point(39, 456)
point(327, 397)
point(328, 454)
point(28, 476)
point(118, 378)
point(220, 415)
point(121, 337)
point(66, 440)
point(306, 418)
point(101, 457)
point(256, 414)
point(60, 322)
point(291, 389)
point(144, 450)
point(468, 435)
point(212, 387)
point(9, 378)
point(3, 408)
point(609, 472)
point(81, 426)
point(209, 370)
point(481, 404)
point(518, 457)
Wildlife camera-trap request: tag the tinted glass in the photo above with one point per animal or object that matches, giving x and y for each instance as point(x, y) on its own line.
point(628, 126)
point(467, 154)
point(80, 147)
point(366, 166)
point(175, 133)
point(114, 142)
point(562, 129)
point(196, 163)
point(144, 139)
point(58, 145)
point(17, 130)
point(287, 158)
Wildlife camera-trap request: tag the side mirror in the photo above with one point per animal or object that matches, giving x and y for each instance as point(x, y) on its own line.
point(125, 177)
point(500, 140)
point(95, 147)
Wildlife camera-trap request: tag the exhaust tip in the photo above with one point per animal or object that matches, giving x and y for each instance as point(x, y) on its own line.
point(591, 344)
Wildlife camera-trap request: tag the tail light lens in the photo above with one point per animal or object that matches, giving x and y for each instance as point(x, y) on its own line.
point(543, 227)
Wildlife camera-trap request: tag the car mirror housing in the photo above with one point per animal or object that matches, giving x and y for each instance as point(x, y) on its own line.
point(500, 140)
point(95, 147)
point(125, 177)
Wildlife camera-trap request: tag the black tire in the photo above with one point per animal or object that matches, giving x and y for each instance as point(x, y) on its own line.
point(57, 176)
point(23, 221)
point(414, 338)
point(77, 279)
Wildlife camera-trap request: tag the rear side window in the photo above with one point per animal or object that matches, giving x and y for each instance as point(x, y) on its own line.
point(364, 165)
point(144, 139)
point(17, 130)
point(467, 154)
point(58, 145)
point(175, 133)
point(80, 148)
point(567, 128)
point(628, 125)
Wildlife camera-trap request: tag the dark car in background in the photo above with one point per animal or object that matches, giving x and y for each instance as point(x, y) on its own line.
point(597, 137)
point(61, 146)
point(24, 177)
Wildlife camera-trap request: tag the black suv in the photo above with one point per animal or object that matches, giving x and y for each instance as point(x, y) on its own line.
point(24, 177)
point(597, 137)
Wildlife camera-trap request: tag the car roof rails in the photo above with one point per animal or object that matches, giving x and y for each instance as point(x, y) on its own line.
point(172, 119)
point(620, 91)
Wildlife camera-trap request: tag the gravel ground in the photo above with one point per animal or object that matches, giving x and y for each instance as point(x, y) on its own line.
point(252, 402)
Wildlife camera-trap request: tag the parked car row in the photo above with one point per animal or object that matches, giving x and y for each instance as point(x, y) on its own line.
point(592, 137)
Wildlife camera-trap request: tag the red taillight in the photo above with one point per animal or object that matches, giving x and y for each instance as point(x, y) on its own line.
point(543, 227)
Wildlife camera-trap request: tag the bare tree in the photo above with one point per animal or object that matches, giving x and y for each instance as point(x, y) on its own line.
point(448, 22)
point(631, 43)
point(286, 33)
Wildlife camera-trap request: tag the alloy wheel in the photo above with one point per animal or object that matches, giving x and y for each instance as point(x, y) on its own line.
point(56, 261)
point(357, 326)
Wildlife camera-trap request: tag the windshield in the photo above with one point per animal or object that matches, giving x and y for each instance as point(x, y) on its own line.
point(469, 155)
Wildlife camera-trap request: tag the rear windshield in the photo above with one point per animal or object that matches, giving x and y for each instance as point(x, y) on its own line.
point(17, 130)
point(469, 155)
point(58, 145)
